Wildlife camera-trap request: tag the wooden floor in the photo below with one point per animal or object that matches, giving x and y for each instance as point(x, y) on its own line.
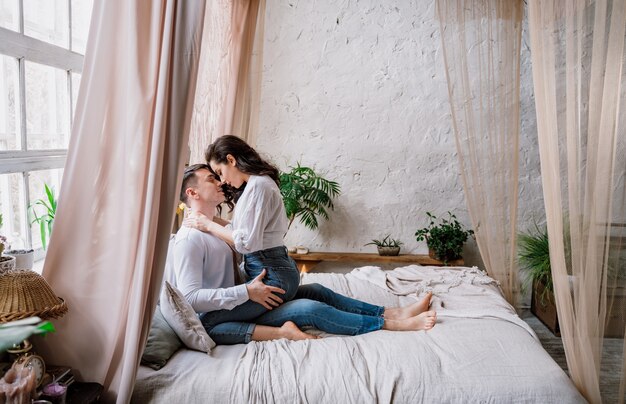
point(611, 359)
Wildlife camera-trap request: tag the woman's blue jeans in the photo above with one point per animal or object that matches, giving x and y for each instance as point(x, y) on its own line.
point(281, 271)
point(313, 306)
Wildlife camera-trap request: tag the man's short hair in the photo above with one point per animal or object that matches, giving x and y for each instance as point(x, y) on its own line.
point(190, 179)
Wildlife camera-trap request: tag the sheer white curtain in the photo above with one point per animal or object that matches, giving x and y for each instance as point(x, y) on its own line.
point(577, 49)
point(481, 48)
point(229, 77)
point(128, 147)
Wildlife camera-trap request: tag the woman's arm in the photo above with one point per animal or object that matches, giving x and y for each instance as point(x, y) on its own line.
point(201, 222)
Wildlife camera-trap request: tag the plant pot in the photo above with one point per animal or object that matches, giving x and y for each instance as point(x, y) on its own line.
point(7, 263)
point(543, 307)
point(433, 255)
point(387, 251)
point(616, 314)
point(24, 259)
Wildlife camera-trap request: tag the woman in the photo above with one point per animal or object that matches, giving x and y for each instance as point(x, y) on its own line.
point(259, 219)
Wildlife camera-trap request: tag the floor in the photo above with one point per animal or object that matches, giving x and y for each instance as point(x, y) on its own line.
point(612, 357)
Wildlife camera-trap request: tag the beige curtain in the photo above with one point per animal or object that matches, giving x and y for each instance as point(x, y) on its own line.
point(577, 49)
point(229, 77)
point(126, 154)
point(481, 49)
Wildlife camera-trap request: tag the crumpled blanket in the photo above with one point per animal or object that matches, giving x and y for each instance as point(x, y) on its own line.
point(454, 290)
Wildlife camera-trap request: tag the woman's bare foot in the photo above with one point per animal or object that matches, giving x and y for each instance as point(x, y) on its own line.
point(423, 321)
point(291, 331)
point(399, 313)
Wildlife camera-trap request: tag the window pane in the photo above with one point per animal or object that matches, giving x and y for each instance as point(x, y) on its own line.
point(9, 14)
point(36, 182)
point(75, 86)
point(47, 107)
point(47, 20)
point(13, 207)
point(9, 112)
point(81, 17)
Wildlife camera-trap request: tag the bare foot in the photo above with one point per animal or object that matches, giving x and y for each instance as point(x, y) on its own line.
point(423, 321)
point(291, 331)
point(399, 313)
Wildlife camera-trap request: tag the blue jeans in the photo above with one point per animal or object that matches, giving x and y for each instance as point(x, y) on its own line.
point(281, 271)
point(313, 306)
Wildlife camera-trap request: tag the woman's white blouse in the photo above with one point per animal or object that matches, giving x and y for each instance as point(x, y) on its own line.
point(259, 221)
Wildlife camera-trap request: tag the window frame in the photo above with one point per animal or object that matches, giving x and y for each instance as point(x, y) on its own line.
point(22, 161)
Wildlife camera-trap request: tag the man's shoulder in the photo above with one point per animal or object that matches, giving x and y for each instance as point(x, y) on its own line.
point(188, 235)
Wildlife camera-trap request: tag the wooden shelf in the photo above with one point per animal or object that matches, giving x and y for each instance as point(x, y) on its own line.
point(307, 261)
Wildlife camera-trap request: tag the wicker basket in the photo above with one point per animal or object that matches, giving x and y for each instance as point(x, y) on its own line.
point(26, 293)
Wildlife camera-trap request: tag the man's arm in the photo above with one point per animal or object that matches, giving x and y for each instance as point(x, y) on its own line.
point(189, 259)
point(189, 256)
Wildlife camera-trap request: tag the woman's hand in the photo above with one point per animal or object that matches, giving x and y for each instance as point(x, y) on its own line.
point(198, 221)
point(264, 294)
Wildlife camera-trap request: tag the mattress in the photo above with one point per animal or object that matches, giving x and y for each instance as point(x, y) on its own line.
point(479, 351)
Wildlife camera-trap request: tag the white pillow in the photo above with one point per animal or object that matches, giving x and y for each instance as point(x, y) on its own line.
point(183, 319)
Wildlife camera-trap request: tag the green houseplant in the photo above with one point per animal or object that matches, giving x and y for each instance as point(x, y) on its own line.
point(387, 246)
point(42, 212)
point(533, 252)
point(445, 239)
point(7, 262)
point(307, 195)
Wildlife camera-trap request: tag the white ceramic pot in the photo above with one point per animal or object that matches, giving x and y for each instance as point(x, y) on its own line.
point(7, 263)
point(24, 259)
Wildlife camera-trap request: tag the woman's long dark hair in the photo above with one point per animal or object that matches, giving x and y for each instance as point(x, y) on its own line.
point(248, 162)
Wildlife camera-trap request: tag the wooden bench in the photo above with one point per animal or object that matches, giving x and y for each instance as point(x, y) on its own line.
point(306, 262)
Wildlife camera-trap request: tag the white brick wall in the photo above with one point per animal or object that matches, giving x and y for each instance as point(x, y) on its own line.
point(357, 90)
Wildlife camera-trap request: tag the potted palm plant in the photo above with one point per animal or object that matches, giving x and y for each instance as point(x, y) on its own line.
point(445, 239)
point(387, 246)
point(307, 195)
point(534, 256)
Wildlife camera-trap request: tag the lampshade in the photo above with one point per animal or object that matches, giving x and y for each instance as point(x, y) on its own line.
point(24, 293)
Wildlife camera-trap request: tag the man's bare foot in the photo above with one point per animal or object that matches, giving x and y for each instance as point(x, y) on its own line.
point(423, 321)
point(399, 313)
point(291, 331)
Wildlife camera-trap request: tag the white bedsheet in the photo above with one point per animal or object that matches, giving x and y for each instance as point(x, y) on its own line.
point(479, 351)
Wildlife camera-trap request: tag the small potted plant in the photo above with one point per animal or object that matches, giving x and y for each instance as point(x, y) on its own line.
point(445, 240)
point(387, 246)
point(7, 262)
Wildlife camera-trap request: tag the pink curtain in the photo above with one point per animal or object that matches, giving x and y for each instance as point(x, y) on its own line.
point(578, 52)
point(229, 77)
point(481, 48)
point(128, 147)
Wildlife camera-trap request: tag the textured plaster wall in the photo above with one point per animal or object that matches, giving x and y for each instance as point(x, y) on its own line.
point(357, 90)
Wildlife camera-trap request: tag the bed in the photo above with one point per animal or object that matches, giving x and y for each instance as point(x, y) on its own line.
point(480, 351)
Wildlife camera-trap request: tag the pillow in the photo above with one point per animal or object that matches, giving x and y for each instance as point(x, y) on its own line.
point(162, 342)
point(184, 320)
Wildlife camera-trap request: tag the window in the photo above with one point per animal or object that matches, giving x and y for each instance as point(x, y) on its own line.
point(42, 43)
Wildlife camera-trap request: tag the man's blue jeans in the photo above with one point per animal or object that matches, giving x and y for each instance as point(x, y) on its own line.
point(281, 271)
point(313, 306)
